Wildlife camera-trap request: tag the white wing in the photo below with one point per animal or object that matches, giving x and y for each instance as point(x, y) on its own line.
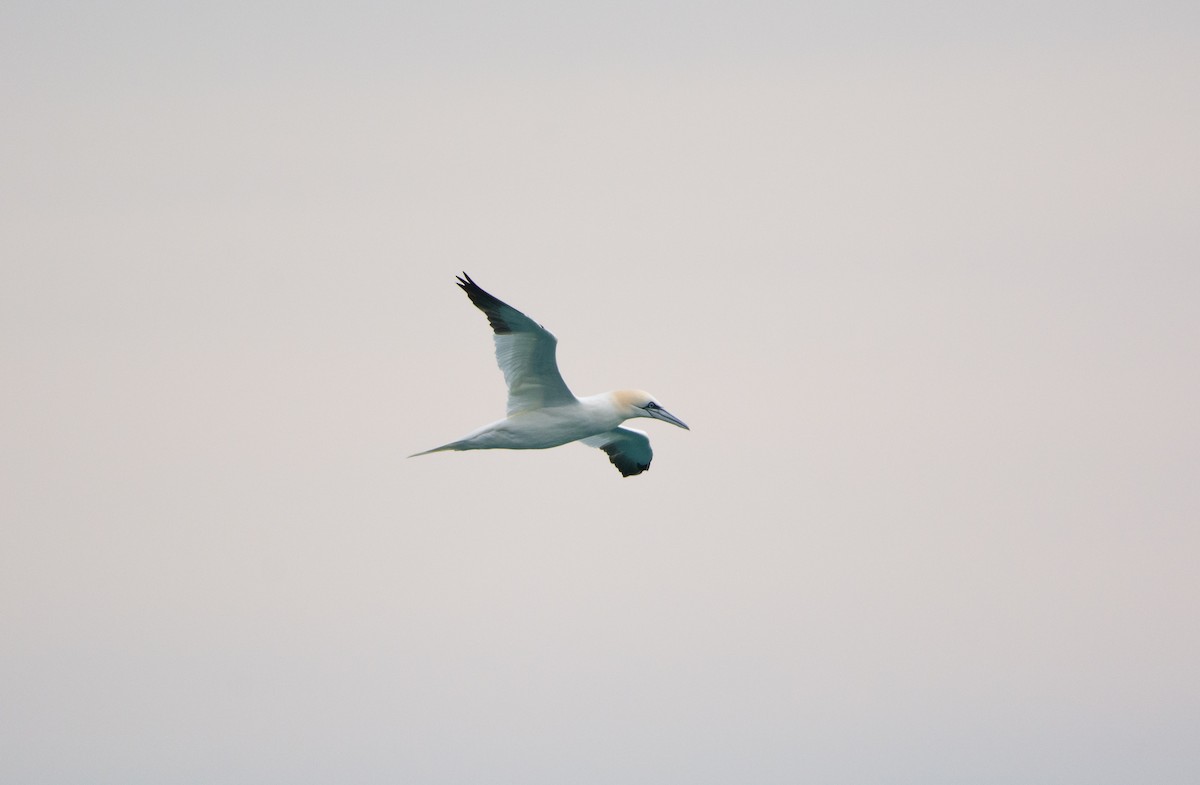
point(524, 351)
point(628, 449)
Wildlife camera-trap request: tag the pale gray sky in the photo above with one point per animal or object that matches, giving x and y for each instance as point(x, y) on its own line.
point(923, 279)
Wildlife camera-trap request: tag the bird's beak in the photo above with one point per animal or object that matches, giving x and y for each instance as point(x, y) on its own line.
point(663, 414)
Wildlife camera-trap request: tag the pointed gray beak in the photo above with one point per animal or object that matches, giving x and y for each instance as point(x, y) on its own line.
point(666, 416)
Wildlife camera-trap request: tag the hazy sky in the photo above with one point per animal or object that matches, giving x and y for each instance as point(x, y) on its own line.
point(923, 279)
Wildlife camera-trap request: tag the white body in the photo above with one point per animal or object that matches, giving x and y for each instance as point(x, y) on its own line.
point(539, 429)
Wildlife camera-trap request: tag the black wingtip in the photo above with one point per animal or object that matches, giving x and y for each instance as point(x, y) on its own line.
point(467, 285)
point(632, 471)
point(485, 302)
point(625, 465)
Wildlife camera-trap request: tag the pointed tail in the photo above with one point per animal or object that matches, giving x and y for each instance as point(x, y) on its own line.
point(443, 448)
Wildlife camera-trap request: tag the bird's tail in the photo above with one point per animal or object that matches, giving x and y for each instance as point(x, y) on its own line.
point(451, 446)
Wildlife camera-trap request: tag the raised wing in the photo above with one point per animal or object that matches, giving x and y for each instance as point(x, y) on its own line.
point(524, 351)
point(628, 449)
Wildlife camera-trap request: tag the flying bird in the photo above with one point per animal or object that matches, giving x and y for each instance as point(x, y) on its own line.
point(542, 411)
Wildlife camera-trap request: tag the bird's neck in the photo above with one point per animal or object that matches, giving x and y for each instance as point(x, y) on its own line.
point(606, 409)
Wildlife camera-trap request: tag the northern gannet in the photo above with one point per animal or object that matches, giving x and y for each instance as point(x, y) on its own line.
point(542, 412)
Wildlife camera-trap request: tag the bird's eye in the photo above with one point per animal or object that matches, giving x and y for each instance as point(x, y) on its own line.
point(653, 405)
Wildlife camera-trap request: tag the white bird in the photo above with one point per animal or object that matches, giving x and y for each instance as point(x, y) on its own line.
point(542, 412)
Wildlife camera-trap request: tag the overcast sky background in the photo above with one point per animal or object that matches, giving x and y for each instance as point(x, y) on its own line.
point(923, 278)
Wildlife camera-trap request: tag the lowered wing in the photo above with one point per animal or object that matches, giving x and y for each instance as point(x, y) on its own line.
point(628, 449)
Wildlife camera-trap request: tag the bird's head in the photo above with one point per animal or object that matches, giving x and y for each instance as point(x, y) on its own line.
point(638, 403)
